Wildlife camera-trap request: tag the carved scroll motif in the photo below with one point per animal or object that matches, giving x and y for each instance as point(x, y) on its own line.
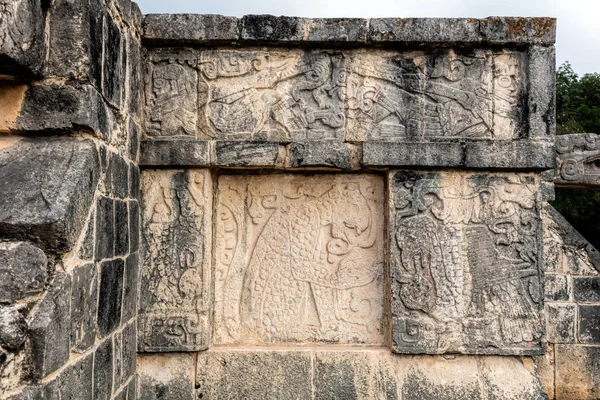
point(578, 160)
point(299, 259)
point(174, 296)
point(465, 263)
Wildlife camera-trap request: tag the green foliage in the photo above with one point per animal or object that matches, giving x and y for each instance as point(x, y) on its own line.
point(577, 101)
point(578, 111)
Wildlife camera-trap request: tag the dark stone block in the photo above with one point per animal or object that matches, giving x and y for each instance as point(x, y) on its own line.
point(134, 181)
point(324, 154)
point(401, 154)
point(119, 176)
point(336, 30)
point(246, 154)
point(83, 307)
point(134, 61)
point(121, 228)
point(47, 189)
point(22, 38)
point(13, 328)
point(586, 290)
point(190, 28)
point(110, 297)
point(424, 30)
point(117, 360)
point(113, 77)
point(589, 324)
point(22, 270)
point(132, 389)
point(557, 287)
point(134, 226)
point(133, 139)
point(105, 228)
point(561, 320)
point(75, 382)
point(271, 28)
point(103, 370)
point(86, 251)
point(129, 352)
point(132, 267)
point(523, 154)
point(155, 153)
point(50, 329)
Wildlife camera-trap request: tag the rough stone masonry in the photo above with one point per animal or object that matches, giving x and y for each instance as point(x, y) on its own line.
point(200, 206)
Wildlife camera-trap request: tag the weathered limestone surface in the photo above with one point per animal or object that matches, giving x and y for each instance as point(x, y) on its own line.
point(48, 186)
point(360, 374)
point(465, 263)
point(578, 160)
point(175, 279)
point(22, 270)
point(299, 259)
point(167, 377)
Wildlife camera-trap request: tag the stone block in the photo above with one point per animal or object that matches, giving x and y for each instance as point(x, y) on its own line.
point(113, 73)
point(134, 226)
point(424, 30)
point(269, 28)
point(405, 154)
point(366, 373)
point(86, 251)
point(74, 382)
point(130, 288)
point(103, 370)
point(172, 94)
point(577, 156)
point(557, 287)
point(118, 170)
point(586, 290)
point(105, 228)
point(577, 372)
point(110, 296)
point(22, 25)
point(246, 154)
point(50, 329)
point(129, 352)
point(450, 262)
point(589, 324)
point(117, 360)
point(331, 154)
point(133, 139)
point(13, 328)
point(190, 28)
point(166, 377)
point(299, 259)
point(500, 30)
point(542, 91)
point(177, 212)
point(134, 181)
point(521, 154)
point(84, 307)
point(255, 375)
point(121, 228)
point(22, 270)
point(65, 108)
point(47, 189)
point(561, 320)
point(176, 153)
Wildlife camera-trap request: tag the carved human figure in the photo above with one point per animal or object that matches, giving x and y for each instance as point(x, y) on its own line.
point(173, 103)
point(505, 96)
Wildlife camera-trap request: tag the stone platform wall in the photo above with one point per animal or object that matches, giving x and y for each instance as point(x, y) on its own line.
point(337, 208)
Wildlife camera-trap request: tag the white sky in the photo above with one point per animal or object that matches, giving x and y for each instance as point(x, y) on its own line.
point(578, 33)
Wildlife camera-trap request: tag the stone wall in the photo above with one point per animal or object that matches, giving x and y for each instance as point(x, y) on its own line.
point(69, 209)
point(326, 208)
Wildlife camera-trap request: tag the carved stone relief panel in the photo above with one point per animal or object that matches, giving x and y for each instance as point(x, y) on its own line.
point(172, 94)
point(465, 263)
point(299, 259)
point(578, 160)
point(356, 95)
point(175, 284)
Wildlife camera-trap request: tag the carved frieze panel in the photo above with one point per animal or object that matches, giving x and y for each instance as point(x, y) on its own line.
point(578, 160)
point(172, 94)
point(355, 95)
point(299, 259)
point(175, 284)
point(465, 263)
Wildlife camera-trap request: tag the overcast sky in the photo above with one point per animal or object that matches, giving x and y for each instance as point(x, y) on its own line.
point(578, 34)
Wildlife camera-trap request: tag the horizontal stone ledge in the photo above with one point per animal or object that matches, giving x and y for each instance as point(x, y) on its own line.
point(203, 29)
point(515, 155)
point(359, 374)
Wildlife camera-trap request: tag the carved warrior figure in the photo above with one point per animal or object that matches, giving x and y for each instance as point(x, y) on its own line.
point(174, 287)
point(313, 271)
point(467, 264)
point(172, 102)
point(326, 95)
